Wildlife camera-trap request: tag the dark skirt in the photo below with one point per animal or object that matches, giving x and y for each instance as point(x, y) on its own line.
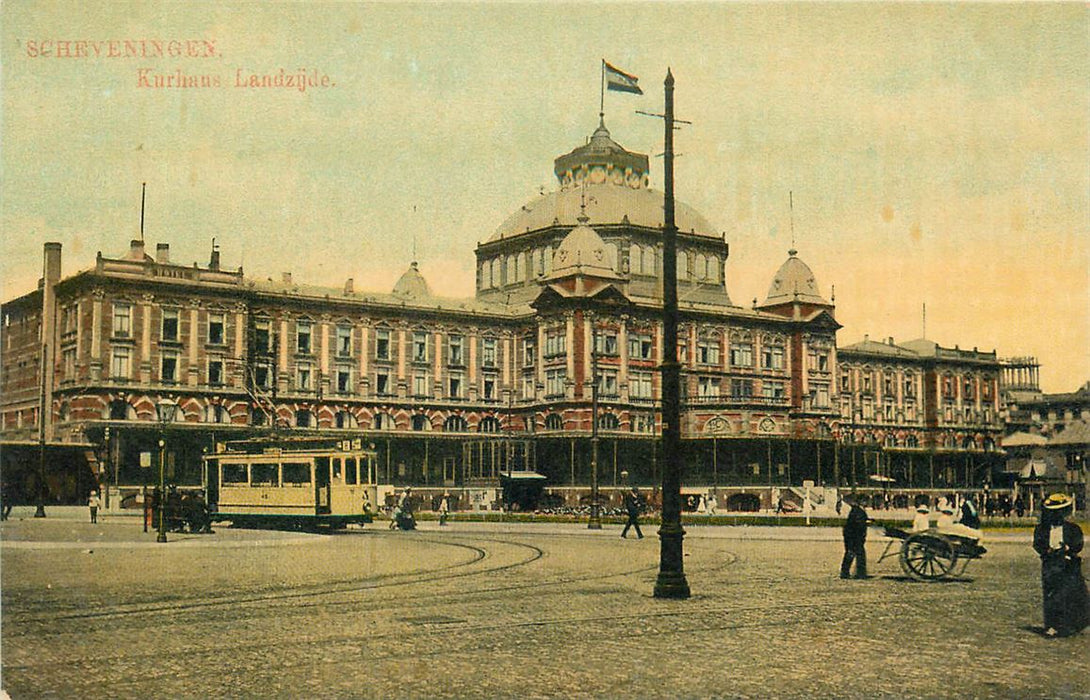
point(1066, 601)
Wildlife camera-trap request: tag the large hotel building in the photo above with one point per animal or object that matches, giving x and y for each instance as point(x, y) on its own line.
point(452, 391)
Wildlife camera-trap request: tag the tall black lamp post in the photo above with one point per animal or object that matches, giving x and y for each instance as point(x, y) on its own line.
point(671, 582)
point(166, 409)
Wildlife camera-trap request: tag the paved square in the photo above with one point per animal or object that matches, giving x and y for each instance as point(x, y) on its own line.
point(476, 610)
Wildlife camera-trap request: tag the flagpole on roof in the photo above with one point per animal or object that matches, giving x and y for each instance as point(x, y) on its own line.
point(602, 94)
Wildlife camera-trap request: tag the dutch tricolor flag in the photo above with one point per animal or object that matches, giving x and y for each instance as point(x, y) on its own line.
point(620, 81)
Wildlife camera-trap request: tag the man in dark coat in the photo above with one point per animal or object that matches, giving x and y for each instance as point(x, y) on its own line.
point(855, 540)
point(1059, 542)
point(633, 503)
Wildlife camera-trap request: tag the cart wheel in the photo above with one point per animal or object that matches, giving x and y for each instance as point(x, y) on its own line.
point(928, 557)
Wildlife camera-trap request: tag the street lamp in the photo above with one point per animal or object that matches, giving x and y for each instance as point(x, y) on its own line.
point(166, 409)
point(595, 521)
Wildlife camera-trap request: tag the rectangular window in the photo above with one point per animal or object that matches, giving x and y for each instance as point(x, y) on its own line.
point(262, 376)
point(69, 360)
point(607, 382)
point(741, 388)
point(642, 423)
point(682, 352)
point(344, 380)
point(528, 392)
point(168, 369)
point(382, 344)
point(489, 389)
point(296, 473)
point(605, 343)
point(772, 357)
point(772, 390)
point(382, 383)
point(350, 471)
point(303, 338)
point(455, 351)
point(344, 341)
point(707, 387)
point(420, 347)
point(910, 387)
point(122, 321)
point(121, 363)
point(488, 352)
point(888, 384)
point(529, 352)
point(867, 383)
point(263, 337)
point(303, 378)
point(170, 325)
point(234, 474)
point(555, 382)
point(215, 371)
point(707, 352)
point(845, 381)
point(639, 347)
point(265, 474)
point(819, 359)
point(215, 329)
point(888, 411)
point(455, 382)
point(741, 355)
point(420, 384)
point(639, 385)
point(555, 343)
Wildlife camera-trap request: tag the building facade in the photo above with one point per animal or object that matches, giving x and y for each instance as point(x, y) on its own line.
point(451, 391)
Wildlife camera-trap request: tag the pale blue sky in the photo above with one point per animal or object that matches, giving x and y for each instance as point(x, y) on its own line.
point(937, 153)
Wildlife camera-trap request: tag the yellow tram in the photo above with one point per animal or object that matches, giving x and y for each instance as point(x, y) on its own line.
point(291, 483)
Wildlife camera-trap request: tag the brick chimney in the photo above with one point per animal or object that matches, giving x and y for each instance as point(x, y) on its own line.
point(162, 253)
point(136, 249)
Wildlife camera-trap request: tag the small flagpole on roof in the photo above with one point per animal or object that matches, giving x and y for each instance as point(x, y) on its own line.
point(602, 94)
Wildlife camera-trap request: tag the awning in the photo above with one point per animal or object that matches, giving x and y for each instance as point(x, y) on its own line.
point(523, 476)
point(882, 478)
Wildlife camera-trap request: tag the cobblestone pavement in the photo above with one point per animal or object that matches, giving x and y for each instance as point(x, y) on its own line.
point(527, 611)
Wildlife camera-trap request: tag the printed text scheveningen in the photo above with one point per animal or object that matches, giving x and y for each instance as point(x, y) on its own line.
point(122, 48)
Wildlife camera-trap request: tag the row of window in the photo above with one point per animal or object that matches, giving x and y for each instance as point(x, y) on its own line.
point(642, 260)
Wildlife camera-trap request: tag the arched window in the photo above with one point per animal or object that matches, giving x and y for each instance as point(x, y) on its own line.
point(489, 424)
point(257, 416)
point(383, 421)
point(345, 419)
point(421, 422)
point(912, 441)
point(215, 413)
point(682, 266)
point(713, 268)
point(701, 272)
point(635, 259)
point(455, 424)
point(968, 443)
point(553, 421)
point(492, 273)
point(120, 409)
point(304, 419)
point(608, 421)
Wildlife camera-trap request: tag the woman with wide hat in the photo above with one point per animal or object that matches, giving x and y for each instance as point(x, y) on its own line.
point(1059, 542)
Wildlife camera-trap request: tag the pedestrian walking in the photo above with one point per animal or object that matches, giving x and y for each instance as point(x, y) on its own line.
point(855, 540)
point(444, 509)
point(92, 504)
point(1058, 542)
point(633, 504)
point(713, 503)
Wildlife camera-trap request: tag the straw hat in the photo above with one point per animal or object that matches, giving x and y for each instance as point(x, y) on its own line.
point(1058, 501)
point(946, 508)
point(923, 509)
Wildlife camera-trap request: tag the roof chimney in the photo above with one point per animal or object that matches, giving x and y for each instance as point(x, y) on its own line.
point(52, 268)
point(891, 340)
point(285, 277)
point(136, 249)
point(162, 253)
point(214, 261)
point(349, 286)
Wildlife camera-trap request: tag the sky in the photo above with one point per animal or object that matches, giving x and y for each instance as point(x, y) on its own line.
point(936, 154)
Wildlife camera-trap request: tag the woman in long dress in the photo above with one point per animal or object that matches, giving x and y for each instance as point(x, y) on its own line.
point(1058, 542)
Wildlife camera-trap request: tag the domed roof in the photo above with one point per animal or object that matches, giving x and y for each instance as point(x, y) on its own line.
point(584, 252)
point(794, 282)
point(412, 284)
point(613, 182)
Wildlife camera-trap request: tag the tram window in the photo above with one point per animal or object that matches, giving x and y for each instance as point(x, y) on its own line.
point(265, 474)
point(336, 467)
point(296, 473)
point(234, 474)
point(350, 470)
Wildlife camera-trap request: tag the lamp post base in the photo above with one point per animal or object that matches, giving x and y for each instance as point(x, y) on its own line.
point(40, 512)
point(595, 523)
point(672, 584)
point(671, 581)
point(161, 537)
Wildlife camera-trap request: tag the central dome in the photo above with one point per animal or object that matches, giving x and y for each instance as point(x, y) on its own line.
point(612, 182)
